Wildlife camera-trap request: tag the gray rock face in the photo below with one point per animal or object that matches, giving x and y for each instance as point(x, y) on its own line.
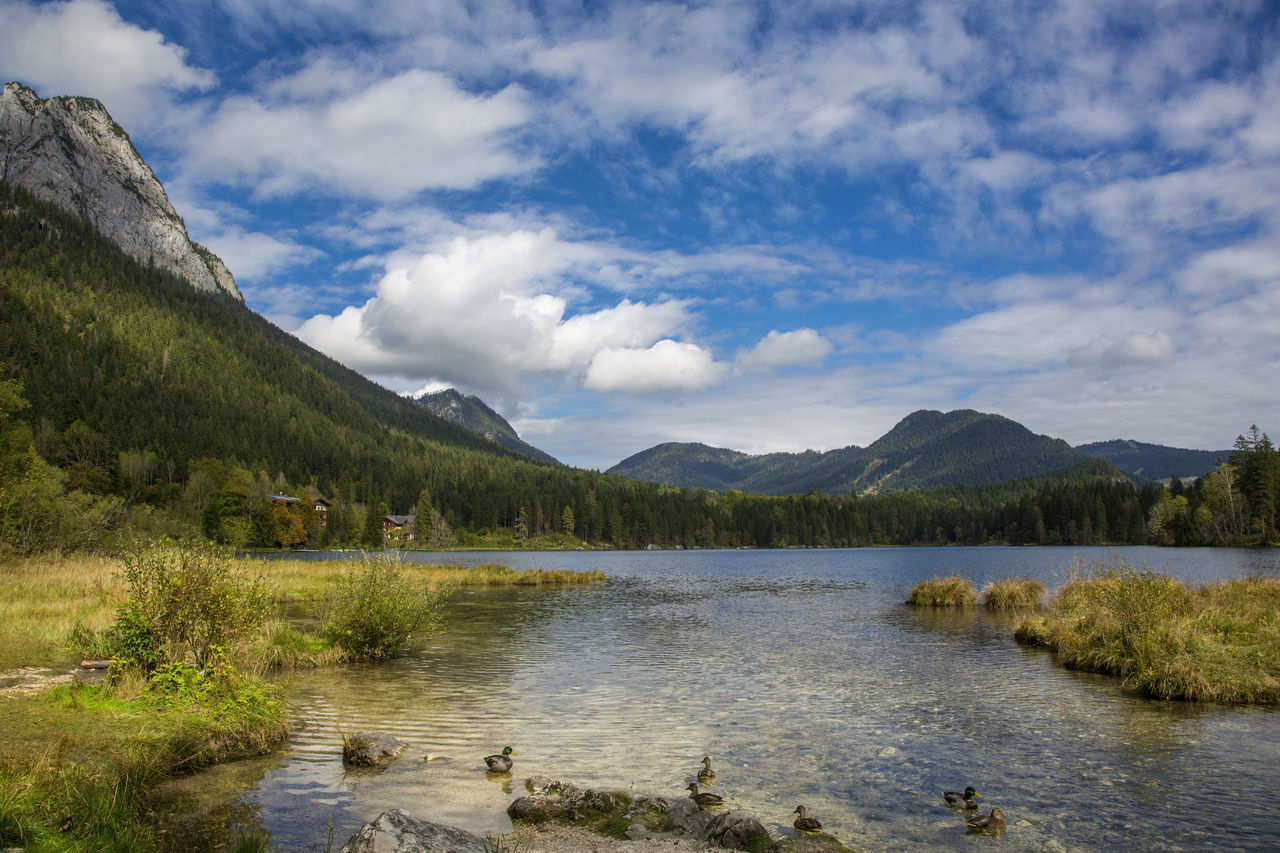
point(69, 151)
point(371, 749)
point(397, 831)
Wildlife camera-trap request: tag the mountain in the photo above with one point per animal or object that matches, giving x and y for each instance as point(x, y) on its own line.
point(470, 412)
point(69, 151)
point(1142, 461)
point(926, 449)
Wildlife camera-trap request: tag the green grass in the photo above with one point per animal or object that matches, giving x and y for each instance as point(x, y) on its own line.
point(1216, 643)
point(1013, 594)
point(953, 591)
point(76, 762)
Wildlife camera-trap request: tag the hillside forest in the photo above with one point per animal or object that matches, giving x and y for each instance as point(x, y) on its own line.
point(132, 405)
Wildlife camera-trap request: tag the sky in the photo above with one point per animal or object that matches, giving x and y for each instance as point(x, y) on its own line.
point(757, 225)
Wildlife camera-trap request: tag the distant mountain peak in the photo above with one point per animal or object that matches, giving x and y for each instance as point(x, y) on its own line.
point(69, 151)
point(470, 412)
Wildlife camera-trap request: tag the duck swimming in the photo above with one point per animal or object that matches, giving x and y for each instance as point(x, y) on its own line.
point(500, 763)
point(804, 823)
point(706, 774)
point(702, 798)
point(956, 800)
point(993, 822)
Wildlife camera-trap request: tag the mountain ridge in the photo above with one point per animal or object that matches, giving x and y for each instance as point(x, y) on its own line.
point(470, 412)
point(69, 151)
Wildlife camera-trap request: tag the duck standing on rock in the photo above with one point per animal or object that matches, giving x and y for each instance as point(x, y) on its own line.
point(500, 763)
point(966, 801)
point(702, 798)
point(705, 774)
point(804, 823)
point(990, 823)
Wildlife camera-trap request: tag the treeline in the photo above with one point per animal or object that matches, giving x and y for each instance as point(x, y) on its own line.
point(183, 413)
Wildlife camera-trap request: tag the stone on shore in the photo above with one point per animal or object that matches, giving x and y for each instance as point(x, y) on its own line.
point(371, 749)
point(397, 831)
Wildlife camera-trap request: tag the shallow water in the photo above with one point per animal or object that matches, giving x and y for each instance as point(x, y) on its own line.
point(805, 679)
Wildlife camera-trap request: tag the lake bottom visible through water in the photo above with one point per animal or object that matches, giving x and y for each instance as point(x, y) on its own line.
point(803, 676)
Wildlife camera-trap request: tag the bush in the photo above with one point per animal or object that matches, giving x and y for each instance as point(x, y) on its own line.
point(377, 605)
point(953, 591)
point(189, 599)
point(1013, 594)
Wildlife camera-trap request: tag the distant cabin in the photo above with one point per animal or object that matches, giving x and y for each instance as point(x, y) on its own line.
point(398, 527)
point(321, 505)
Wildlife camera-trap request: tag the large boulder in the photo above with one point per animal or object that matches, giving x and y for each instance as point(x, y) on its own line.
point(371, 749)
point(397, 831)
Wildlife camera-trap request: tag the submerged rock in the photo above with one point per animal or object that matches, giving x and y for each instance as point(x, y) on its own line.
point(636, 817)
point(397, 831)
point(371, 749)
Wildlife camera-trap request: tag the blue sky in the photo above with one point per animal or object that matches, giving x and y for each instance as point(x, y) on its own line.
point(765, 226)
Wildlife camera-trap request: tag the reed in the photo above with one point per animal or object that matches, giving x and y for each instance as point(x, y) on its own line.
point(1217, 643)
point(1013, 594)
point(953, 591)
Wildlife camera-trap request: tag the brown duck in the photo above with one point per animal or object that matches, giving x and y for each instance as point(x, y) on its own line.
point(993, 822)
point(702, 798)
point(705, 773)
point(804, 823)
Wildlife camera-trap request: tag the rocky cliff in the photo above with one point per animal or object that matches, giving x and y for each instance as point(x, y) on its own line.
point(69, 151)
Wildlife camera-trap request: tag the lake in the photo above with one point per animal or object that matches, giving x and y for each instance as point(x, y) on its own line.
point(804, 677)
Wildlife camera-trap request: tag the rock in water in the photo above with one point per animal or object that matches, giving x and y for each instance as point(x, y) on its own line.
point(69, 151)
point(371, 749)
point(397, 831)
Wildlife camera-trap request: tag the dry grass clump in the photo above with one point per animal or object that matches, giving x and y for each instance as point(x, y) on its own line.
point(1218, 643)
point(1013, 594)
point(953, 591)
point(48, 599)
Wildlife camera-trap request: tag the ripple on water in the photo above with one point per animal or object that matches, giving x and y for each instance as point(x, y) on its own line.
point(806, 680)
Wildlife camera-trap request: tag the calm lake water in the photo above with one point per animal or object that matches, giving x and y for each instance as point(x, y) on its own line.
point(805, 678)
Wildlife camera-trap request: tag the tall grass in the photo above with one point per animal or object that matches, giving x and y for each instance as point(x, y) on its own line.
point(953, 591)
point(1013, 594)
point(49, 599)
point(1219, 642)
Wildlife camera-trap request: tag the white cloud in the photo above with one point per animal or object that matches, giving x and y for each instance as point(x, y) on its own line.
point(83, 47)
point(666, 366)
point(489, 313)
point(787, 349)
point(383, 138)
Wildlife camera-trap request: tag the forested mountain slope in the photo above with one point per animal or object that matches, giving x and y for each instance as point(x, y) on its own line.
point(926, 449)
point(150, 364)
point(1143, 461)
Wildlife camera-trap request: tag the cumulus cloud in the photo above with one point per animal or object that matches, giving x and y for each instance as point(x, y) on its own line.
point(489, 312)
point(348, 133)
point(666, 366)
point(787, 349)
point(1135, 348)
point(83, 47)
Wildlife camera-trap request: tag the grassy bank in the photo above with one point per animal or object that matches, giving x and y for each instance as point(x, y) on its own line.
point(1218, 643)
point(77, 762)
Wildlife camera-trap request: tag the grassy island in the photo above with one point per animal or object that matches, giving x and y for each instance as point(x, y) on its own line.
point(189, 632)
point(1216, 643)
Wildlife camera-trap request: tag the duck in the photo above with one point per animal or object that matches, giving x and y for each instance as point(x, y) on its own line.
point(500, 763)
point(992, 822)
point(706, 774)
point(804, 823)
point(956, 800)
point(702, 798)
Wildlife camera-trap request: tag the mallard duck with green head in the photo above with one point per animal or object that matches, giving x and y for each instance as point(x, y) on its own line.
point(500, 763)
point(966, 801)
point(703, 798)
point(705, 774)
point(804, 823)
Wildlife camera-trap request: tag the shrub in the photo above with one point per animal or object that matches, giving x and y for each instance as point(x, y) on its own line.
point(953, 591)
point(189, 599)
point(377, 605)
point(1013, 594)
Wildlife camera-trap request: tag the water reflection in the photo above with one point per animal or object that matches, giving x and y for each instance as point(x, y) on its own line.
point(807, 680)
